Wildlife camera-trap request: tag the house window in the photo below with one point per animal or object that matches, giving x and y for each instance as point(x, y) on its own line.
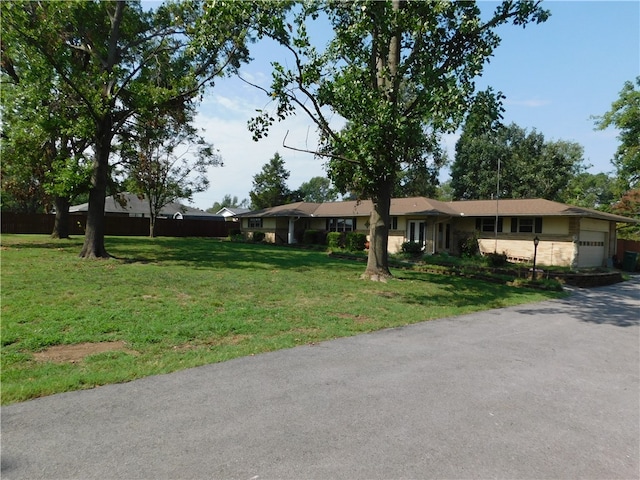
point(341, 224)
point(526, 225)
point(393, 225)
point(488, 224)
point(255, 222)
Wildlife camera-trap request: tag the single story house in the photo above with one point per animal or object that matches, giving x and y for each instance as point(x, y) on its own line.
point(131, 205)
point(568, 235)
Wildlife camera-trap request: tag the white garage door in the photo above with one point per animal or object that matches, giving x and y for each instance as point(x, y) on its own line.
point(591, 249)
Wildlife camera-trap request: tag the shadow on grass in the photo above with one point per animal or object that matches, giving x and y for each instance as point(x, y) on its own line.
point(206, 253)
point(460, 291)
point(617, 305)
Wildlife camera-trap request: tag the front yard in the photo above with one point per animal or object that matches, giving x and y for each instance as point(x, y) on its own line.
point(166, 304)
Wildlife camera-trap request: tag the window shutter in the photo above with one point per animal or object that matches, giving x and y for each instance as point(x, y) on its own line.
point(500, 224)
point(538, 225)
point(478, 224)
point(514, 224)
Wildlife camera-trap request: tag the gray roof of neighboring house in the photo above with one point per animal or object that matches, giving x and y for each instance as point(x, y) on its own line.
point(133, 205)
point(232, 211)
point(425, 206)
point(298, 209)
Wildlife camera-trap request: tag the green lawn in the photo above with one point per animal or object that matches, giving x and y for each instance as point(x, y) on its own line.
point(179, 303)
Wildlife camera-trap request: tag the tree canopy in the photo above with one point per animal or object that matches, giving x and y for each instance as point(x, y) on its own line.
point(270, 184)
point(625, 116)
point(117, 61)
point(318, 190)
point(492, 159)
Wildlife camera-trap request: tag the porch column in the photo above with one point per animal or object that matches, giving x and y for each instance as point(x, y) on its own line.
point(291, 237)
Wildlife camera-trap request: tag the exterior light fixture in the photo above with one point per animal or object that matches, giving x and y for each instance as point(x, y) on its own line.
point(536, 241)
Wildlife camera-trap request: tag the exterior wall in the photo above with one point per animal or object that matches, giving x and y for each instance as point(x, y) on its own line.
point(556, 247)
point(551, 251)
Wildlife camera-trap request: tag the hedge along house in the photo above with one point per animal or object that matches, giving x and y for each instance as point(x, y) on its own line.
point(568, 235)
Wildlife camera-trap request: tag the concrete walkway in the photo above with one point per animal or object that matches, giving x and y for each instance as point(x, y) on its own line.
point(540, 391)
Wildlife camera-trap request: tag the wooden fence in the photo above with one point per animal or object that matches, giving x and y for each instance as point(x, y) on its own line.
point(627, 246)
point(118, 226)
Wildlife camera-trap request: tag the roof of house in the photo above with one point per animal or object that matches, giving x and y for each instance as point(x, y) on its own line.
point(421, 206)
point(298, 209)
point(232, 211)
point(131, 204)
point(530, 207)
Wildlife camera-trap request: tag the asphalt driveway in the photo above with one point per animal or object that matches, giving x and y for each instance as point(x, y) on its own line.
point(548, 390)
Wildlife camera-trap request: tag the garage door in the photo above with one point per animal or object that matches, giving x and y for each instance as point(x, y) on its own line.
point(591, 249)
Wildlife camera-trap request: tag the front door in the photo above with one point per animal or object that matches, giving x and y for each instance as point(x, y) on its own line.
point(416, 232)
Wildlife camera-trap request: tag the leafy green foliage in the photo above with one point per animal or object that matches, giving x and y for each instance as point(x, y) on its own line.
point(116, 61)
point(411, 248)
point(469, 246)
point(335, 239)
point(269, 185)
point(258, 237)
point(496, 260)
point(512, 163)
point(355, 241)
point(312, 237)
point(625, 116)
point(629, 206)
point(318, 190)
point(589, 190)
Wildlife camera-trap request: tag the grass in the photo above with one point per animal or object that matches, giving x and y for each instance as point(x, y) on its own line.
point(182, 302)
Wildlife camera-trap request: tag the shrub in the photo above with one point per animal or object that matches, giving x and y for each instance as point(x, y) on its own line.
point(355, 242)
point(236, 235)
point(335, 240)
point(411, 248)
point(496, 259)
point(258, 236)
point(311, 237)
point(469, 246)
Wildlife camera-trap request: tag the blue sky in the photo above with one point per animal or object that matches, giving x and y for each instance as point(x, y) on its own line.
point(555, 76)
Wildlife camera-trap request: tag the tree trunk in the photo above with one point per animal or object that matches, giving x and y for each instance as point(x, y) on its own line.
point(61, 225)
point(94, 233)
point(152, 226)
point(378, 259)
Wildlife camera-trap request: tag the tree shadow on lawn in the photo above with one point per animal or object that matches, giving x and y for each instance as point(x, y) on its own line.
point(617, 305)
point(460, 291)
point(214, 253)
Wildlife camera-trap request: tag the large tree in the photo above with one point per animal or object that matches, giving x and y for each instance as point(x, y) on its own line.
point(391, 69)
point(118, 60)
point(44, 148)
point(492, 159)
point(625, 116)
point(270, 184)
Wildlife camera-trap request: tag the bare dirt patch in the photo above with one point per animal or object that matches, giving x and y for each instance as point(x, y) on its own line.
point(78, 352)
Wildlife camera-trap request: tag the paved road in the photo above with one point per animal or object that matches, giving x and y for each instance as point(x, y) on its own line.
point(547, 390)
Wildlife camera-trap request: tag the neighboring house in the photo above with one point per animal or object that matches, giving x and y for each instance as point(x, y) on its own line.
point(568, 235)
point(130, 205)
point(231, 214)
